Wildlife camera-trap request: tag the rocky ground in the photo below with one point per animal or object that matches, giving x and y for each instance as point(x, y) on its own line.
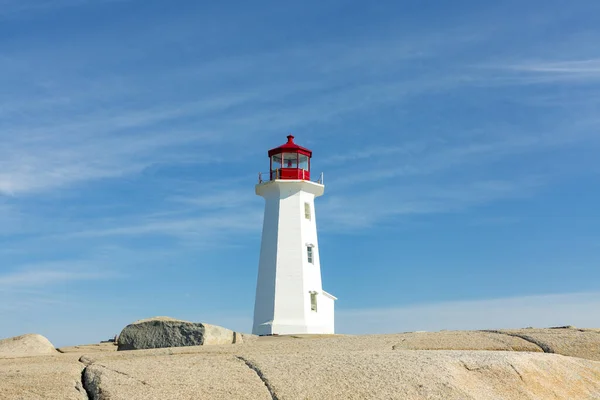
point(532, 364)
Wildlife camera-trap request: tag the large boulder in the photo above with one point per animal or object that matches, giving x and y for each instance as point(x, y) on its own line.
point(158, 332)
point(26, 345)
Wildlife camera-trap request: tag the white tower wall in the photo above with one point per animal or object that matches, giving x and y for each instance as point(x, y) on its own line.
point(286, 278)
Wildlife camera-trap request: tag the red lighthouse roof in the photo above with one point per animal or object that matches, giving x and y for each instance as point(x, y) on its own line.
point(290, 147)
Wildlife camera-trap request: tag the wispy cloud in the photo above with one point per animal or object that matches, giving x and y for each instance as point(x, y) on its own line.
point(11, 8)
point(100, 145)
point(136, 136)
point(219, 197)
point(48, 274)
point(578, 309)
point(430, 156)
point(575, 67)
point(77, 133)
point(208, 212)
point(545, 72)
point(35, 285)
point(494, 221)
point(363, 211)
point(207, 227)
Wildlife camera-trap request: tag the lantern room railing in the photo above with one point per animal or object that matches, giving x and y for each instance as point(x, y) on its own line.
point(276, 174)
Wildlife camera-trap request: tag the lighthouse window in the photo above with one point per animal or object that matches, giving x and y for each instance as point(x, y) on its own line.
point(313, 301)
point(309, 254)
point(307, 211)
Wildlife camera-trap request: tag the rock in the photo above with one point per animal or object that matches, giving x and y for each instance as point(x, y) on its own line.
point(568, 341)
point(26, 345)
point(462, 340)
point(247, 337)
point(322, 368)
point(184, 376)
point(41, 378)
point(427, 374)
point(409, 366)
point(159, 332)
point(89, 348)
point(237, 338)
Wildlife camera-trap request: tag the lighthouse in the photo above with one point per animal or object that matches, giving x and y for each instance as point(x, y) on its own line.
point(289, 294)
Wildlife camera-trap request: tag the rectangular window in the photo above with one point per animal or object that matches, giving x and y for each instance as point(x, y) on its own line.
point(309, 254)
point(313, 301)
point(307, 211)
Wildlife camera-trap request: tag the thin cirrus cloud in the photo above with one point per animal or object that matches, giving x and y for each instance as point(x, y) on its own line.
point(429, 157)
point(48, 274)
point(16, 8)
point(367, 210)
point(215, 212)
point(32, 287)
point(210, 226)
point(44, 161)
point(238, 214)
point(34, 159)
point(47, 164)
point(573, 67)
point(218, 198)
point(526, 72)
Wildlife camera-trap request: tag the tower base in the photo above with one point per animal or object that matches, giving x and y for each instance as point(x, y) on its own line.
point(289, 328)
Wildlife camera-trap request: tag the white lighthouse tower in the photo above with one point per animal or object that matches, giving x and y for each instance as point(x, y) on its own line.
point(289, 295)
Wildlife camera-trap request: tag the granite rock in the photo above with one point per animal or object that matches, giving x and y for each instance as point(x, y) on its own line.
point(26, 345)
point(160, 332)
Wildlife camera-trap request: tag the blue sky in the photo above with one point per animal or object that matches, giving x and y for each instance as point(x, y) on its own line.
point(459, 142)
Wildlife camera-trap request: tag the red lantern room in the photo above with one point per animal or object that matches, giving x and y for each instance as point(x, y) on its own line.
point(290, 161)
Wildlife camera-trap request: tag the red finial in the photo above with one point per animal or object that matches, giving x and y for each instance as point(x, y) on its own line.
point(290, 138)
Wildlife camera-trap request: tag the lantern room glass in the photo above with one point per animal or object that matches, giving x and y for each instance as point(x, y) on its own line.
point(303, 162)
point(290, 165)
point(290, 160)
point(275, 166)
point(276, 162)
